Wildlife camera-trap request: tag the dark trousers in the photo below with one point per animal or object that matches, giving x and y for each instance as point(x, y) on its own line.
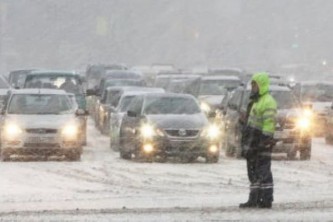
point(260, 177)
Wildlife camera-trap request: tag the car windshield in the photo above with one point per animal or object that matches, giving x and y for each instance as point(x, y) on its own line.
point(317, 92)
point(217, 87)
point(125, 102)
point(41, 104)
point(17, 79)
point(170, 105)
point(70, 84)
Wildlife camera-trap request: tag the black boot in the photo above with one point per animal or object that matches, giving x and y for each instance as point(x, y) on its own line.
point(253, 200)
point(265, 204)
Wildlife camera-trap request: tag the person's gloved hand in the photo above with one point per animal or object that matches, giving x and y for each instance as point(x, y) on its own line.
point(266, 142)
point(247, 152)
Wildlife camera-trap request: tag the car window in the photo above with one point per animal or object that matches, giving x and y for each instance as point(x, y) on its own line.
point(235, 100)
point(39, 104)
point(136, 105)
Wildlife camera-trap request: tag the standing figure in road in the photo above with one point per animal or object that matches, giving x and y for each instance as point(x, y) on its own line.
point(258, 141)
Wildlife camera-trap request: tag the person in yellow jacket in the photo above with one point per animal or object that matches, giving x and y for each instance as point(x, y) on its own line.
point(258, 141)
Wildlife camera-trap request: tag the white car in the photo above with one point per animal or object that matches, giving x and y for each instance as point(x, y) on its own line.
point(40, 122)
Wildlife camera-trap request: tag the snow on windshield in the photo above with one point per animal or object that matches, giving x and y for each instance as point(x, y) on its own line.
point(170, 105)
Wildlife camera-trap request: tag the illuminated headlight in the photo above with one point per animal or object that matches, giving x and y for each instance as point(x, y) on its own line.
point(213, 149)
point(212, 132)
point(70, 132)
point(303, 123)
point(205, 107)
point(12, 131)
point(148, 148)
point(308, 113)
point(148, 131)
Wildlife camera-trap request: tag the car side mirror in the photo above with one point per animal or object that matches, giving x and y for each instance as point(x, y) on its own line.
point(132, 113)
point(81, 112)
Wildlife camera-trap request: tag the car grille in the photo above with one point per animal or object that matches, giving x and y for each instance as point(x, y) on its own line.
point(41, 131)
point(182, 133)
point(41, 145)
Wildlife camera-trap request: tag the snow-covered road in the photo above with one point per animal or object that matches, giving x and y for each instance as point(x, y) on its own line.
point(102, 186)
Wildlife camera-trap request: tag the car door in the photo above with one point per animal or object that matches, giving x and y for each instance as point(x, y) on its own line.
point(232, 116)
point(131, 124)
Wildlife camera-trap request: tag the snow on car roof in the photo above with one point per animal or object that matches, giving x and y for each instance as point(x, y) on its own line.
point(48, 72)
point(40, 91)
point(220, 77)
point(134, 88)
point(175, 95)
point(133, 93)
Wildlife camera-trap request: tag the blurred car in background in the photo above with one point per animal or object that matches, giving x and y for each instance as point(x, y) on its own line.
point(164, 79)
point(318, 95)
point(16, 78)
point(110, 100)
point(117, 113)
point(211, 89)
point(294, 123)
point(160, 125)
point(40, 122)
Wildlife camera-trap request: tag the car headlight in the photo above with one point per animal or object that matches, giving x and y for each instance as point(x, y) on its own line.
point(70, 132)
point(308, 113)
point(212, 132)
point(205, 107)
point(12, 131)
point(303, 123)
point(148, 131)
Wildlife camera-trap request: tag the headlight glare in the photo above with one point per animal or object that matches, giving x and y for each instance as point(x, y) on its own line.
point(12, 131)
point(70, 131)
point(303, 123)
point(147, 131)
point(205, 107)
point(212, 132)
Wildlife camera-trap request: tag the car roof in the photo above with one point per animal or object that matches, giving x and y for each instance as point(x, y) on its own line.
point(134, 93)
point(122, 74)
point(220, 77)
point(50, 72)
point(40, 91)
point(131, 88)
point(175, 95)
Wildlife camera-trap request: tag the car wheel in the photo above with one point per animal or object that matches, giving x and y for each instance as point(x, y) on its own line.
point(329, 139)
point(212, 159)
point(305, 153)
point(5, 157)
point(229, 150)
point(291, 154)
point(75, 156)
point(125, 155)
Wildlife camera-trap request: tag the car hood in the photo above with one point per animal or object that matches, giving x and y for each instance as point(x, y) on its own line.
point(321, 107)
point(195, 121)
point(213, 100)
point(41, 121)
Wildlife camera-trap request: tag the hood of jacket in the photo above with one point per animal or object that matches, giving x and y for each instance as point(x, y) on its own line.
point(262, 79)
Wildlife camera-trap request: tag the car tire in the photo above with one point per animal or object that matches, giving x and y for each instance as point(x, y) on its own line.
point(305, 153)
point(291, 154)
point(212, 159)
point(329, 139)
point(4, 157)
point(229, 150)
point(75, 156)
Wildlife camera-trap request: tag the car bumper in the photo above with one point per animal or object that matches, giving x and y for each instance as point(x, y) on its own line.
point(289, 139)
point(177, 147)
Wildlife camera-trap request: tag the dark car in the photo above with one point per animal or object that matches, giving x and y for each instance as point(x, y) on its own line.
point(162, 125)
point(211, 89)
point(293, 129)
point(110, 100)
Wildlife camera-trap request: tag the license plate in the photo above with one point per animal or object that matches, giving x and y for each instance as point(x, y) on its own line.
point(41, 139)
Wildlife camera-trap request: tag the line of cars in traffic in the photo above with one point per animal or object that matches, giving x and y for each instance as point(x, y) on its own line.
point(171, 113)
